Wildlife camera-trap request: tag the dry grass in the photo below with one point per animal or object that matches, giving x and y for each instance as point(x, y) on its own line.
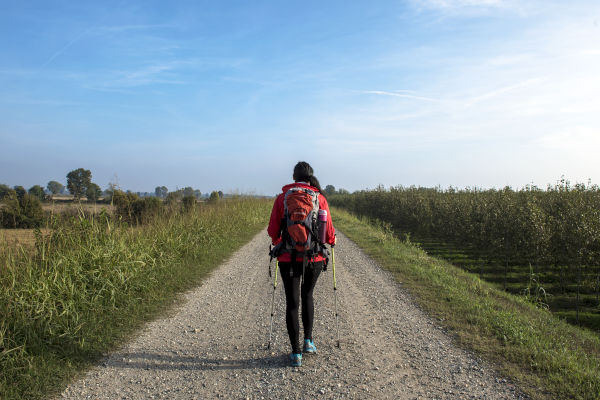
point(17, 237)
point(62, 208)
point(25, 237)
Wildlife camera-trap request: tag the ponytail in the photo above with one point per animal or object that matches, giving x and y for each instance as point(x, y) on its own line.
point(303, 172)
point(314, 182)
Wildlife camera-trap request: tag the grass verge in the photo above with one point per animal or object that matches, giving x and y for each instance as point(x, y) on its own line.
point(90, 283)
point(546, 356)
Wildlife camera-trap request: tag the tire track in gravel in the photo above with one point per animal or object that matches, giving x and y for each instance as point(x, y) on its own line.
point(214, 344)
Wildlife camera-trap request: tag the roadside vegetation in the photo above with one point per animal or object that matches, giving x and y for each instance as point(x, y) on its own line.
point(547, 357)
point(89, 281)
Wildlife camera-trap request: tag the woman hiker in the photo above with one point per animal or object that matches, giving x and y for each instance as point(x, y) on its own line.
point(301, 260)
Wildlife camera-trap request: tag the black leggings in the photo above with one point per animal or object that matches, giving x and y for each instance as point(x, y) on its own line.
point(291, 275)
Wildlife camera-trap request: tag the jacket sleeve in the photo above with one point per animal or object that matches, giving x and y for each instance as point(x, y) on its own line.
point(274, 229)
point(330, 237)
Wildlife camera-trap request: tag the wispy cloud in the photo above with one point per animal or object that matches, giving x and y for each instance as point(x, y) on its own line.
point(122, 80)
point(501, 91)
point(65, 47)
point(459, 3)
point(473, 8)
point(129, 28)
point(400, 93)
point(160, 72)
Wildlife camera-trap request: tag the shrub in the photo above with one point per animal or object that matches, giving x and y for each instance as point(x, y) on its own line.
point(37, 191)
point(189, 202)
point(172, 197)
point(214, 197)
point(21, 212)
point(130, 208)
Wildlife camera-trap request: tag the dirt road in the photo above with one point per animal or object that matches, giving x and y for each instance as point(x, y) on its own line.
point(214, 345)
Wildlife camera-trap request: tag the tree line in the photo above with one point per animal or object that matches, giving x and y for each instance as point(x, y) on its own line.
point(559, 225)
point(21, 208)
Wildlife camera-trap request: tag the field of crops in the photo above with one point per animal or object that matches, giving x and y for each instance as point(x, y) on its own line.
point(544, 244)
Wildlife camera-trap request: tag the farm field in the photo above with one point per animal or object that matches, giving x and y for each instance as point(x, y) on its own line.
point(70, 207)
point(17, 237)
point(550, 358)
point(542, 244)
point(552, 287)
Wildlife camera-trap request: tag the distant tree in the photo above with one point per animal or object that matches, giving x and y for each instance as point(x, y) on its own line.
point(214, 197)
point(188, 191)
point(4, 191)
point(159, 192)
point(55, 187)
point(221, 195)
point(78, 181)
point(20, 191)
point(173, 197)
point(197, 193)
point(343, 191)
point(38, 192)
point(329, 190)
point(93, 192)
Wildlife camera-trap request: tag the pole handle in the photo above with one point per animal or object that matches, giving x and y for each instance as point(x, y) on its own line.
point(333, 266)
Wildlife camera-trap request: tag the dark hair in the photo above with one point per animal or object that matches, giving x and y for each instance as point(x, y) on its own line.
point(303, 172)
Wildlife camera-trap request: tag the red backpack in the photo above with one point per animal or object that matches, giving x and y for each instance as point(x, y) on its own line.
point(301, 207)
point(299, 227)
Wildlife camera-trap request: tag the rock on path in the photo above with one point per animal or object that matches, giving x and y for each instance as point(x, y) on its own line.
point(214, 344)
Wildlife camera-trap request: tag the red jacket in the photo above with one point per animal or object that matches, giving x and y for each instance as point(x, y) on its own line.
point(274, 229)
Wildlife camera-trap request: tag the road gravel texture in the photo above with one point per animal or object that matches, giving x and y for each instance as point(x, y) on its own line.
point(214, 344)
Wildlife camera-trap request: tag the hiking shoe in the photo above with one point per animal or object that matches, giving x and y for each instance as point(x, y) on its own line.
point(296, 360)
point(309, 347)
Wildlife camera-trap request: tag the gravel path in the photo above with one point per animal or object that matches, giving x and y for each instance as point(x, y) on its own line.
point(214, 345)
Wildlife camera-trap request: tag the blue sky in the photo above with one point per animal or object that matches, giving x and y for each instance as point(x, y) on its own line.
point(229, 95)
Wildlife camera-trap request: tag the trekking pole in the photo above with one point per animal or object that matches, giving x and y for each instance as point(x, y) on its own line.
point(337, 325)
point(273, 300)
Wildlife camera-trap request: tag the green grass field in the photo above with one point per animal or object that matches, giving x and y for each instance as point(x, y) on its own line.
point(547, 357)
point(88, 284)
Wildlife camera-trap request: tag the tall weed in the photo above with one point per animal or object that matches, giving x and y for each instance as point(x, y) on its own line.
point(90, 282)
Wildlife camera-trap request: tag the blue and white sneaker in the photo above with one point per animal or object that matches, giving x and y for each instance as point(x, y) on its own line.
point(296, 360)
point(309, 347)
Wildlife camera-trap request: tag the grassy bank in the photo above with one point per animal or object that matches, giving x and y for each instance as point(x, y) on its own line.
point(89, 284)
point(549, 358)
